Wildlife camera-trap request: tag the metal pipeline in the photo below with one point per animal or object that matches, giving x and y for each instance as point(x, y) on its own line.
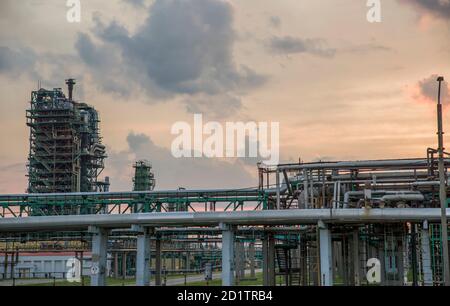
point(266, 217)
point(369, 164)
point(388, 195)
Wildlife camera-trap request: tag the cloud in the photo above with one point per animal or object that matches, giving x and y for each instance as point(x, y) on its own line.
point(367, 48)
point(184, 48)
point(437, 8)
point(171, 172)
point(16, 61)
point(426, 90)
point(275, 22)
point(103, 65)
point(293, 45)
point(136, 3)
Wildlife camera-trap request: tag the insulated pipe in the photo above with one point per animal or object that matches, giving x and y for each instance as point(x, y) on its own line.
point(351, 193)
point(380, 175)
point(129, 194)
point(402, 197)
point(389, 196)
point(425, 183)
point(266, 217)
point(369, 164)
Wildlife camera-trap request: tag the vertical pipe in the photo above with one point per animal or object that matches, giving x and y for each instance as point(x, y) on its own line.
point(305, 187)
point(278, 188)
point(443, 190)
point(311, 193)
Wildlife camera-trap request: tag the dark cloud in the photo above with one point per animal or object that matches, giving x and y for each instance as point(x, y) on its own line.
point(428, 89)
point(367, 48)
point(103, 65)
point(16, 61)
point(438, 8)
point(171, 172)
point(184, 48)
point(292, 45)
point(275, 22)
point(136, 3)
point(49, 68)
point(215, 106)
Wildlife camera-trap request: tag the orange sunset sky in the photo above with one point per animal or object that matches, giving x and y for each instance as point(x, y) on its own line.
point(342, 88)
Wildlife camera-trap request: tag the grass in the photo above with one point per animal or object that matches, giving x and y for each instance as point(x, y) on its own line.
point(131, 281)
point(218, 282)
point(109, 281)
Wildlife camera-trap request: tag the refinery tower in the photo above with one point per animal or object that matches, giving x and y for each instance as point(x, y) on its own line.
point(66, 150)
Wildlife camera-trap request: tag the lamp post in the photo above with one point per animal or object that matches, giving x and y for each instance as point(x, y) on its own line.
point(442, 189)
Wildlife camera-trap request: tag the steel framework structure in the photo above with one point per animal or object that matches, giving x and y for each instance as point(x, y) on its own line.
point(66, 153)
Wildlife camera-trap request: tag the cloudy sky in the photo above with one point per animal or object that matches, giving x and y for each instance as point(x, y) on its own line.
point(342, 88)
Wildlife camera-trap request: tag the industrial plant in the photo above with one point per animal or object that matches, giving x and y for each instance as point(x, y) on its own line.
point(354, 223)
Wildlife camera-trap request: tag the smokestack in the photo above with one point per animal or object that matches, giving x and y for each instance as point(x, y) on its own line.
point(70, 83)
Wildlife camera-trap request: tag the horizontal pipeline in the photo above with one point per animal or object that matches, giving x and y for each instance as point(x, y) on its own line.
point(369, 164)
point(179, 219)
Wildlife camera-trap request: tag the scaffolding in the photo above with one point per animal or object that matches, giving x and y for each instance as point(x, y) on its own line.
point(144, 179)
point(66, 152)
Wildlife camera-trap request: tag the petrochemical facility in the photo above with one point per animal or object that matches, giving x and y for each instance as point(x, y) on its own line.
point(351, 223)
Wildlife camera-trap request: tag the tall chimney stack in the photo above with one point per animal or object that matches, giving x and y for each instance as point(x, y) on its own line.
point(70, 83)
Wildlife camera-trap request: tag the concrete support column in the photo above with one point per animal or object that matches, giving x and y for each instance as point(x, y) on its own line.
point(158, 262)
point(142, 256)
point(240, 260)
point(426, 255)
point(326, 268)
point(251, 255)
point(227, 254)
point(99, 256)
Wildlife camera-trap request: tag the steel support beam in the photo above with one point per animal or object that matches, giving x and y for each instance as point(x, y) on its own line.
point(356, 259)
point(426, 255)
point(158, 266)
point(278, 188)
